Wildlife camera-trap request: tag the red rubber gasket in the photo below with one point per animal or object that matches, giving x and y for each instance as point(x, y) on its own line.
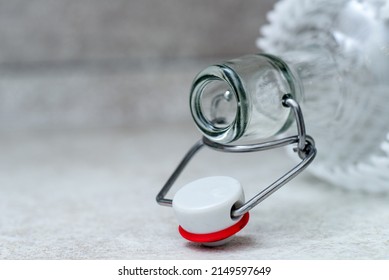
point(215, 236)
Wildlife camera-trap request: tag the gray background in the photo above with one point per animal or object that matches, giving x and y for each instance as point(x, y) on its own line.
point(113, 63)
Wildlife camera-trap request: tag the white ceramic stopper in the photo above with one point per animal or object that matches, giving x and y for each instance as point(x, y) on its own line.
point(204, 206)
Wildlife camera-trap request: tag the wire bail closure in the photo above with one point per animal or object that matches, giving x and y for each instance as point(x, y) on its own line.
point(305, 149)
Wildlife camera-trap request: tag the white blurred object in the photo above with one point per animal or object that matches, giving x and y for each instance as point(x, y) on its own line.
point(346, 91)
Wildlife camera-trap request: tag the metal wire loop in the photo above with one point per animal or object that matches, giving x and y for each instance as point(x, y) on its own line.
point(305, 149)
point(288, 101)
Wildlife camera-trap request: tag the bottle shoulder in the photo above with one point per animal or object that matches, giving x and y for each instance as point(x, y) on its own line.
point(340, 50)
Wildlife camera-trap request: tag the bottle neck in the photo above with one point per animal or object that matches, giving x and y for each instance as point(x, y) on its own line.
point(241, 99)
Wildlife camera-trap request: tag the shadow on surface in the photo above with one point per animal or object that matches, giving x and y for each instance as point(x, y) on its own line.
point(237, 243)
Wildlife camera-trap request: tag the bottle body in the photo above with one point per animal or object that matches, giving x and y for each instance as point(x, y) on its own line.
point(341, 84)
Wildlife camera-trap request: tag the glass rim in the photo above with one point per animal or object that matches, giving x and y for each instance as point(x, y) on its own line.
point(237, 127)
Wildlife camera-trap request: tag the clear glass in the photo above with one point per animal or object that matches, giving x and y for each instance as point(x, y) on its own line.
point(218, 104)
point(253, 110)
point(335, 62)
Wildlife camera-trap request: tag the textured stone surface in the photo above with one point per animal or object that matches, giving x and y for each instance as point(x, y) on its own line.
point(90, 195)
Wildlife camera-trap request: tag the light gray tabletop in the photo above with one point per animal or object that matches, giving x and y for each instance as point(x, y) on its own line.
point(89, 194)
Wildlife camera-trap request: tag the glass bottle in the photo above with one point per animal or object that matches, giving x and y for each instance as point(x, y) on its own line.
point(338, 73)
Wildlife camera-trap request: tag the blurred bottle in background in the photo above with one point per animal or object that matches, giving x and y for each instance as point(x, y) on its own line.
point(333, 58)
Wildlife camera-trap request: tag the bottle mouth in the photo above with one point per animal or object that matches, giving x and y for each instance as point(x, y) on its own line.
point(216, 103)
